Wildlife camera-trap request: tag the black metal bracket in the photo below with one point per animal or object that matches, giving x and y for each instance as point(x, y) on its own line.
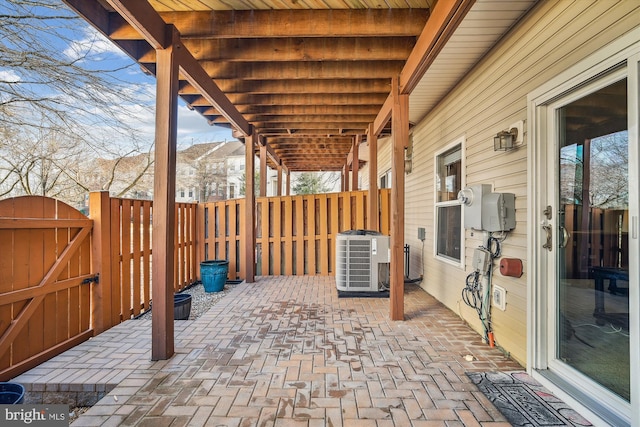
point(94, 279)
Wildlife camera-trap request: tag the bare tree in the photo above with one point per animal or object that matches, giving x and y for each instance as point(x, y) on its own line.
point(63, 102)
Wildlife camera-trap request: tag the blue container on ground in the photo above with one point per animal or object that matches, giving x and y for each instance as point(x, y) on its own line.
point(214, 274)
point(181, 306)
point(11, 393)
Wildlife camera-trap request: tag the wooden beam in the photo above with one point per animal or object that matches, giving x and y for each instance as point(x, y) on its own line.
point(321, 118)
point(303, 70)
point(144, 19)
point(302, 49)
point(288, 184)
point(164, 195)
point(249, 209)
point(263, 171)
point(303, 124)
point(321, 142)
point(230, 86)
point(339, 99)
point(298, 23)
point(355, 162)
point(279, 187)
point(196, 76)
point(372, 200)
point(291, 110)
point(311, 157)
point(383, 117)
point(313, 132)
point(445, 18)
point(400, 139)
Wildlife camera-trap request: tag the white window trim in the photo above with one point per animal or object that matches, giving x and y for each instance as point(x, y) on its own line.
point(461, 141)
point(626, 48)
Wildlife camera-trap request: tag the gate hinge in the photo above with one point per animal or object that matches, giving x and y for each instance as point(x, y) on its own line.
point(93, 279)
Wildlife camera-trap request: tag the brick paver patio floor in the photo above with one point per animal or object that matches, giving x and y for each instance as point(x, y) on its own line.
point(284, 351)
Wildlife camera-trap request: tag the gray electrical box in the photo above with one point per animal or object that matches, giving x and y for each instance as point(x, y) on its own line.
point(421, 233)
point(481, 260)
point(499, 212)
point(487, 211)
point(471, 197)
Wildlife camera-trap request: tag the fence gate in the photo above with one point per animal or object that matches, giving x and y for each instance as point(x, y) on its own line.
point(45, 279)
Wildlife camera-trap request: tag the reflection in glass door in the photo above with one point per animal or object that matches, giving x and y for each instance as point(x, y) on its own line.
point(592, 287)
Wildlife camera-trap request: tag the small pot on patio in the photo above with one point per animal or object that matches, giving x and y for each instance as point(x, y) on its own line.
point(181, 306)
point(214, 274)
point(11, 393)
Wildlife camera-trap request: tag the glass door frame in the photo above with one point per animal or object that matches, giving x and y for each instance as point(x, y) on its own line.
point(598, 70)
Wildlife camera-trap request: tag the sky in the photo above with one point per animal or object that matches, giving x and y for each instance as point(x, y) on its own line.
point(77, 40)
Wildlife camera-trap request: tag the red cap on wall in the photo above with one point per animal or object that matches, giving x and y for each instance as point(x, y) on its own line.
point(511, 267)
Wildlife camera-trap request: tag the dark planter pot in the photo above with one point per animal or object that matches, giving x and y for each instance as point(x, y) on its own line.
point(181, 306)
point(11, 393)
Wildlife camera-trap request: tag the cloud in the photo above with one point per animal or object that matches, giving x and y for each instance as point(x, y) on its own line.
point(94, 45)
point(8, 76)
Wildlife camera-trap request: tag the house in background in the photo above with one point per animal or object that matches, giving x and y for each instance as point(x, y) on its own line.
point(203, 172)
point(236, 175)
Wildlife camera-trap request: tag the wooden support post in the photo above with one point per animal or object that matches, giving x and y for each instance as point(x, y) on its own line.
point(345, 177)
point(279, 188)
point(288, 184)
point(164, 194)
point(355, 163)
point(372, 200)
point(249, 210)
point(400, 139)
point(263, 171)
point(100, 213)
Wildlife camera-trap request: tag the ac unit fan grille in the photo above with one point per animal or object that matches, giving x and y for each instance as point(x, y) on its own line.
point(354, 263)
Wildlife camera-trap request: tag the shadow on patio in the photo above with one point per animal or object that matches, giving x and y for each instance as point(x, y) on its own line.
point(283, 351)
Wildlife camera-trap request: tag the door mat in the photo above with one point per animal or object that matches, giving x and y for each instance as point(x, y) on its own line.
point(363, 294)
point(523, 401)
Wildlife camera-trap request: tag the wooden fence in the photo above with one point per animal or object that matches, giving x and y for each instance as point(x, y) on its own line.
point(124, 258)
point(65, 277)
point(295, 235)
point(597, 237)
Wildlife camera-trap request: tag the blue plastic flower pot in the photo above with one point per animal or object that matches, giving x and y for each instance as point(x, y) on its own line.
point(11, 393)
point(214, 274)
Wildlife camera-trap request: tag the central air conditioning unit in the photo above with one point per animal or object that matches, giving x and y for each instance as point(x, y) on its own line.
point(362, 261)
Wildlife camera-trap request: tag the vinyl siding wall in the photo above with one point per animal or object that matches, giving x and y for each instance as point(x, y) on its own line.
point(384, 162)
point(551, 38)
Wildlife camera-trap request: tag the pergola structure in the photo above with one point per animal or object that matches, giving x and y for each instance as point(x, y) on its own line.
point(302, 82)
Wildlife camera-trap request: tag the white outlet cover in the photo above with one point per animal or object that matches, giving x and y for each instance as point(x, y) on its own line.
point(499, 297)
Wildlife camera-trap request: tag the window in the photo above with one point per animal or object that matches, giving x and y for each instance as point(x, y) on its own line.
point(449, 233)
point(385, 180)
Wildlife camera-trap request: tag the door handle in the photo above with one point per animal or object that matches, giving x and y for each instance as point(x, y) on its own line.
point(548, 245)
point(565, 237)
